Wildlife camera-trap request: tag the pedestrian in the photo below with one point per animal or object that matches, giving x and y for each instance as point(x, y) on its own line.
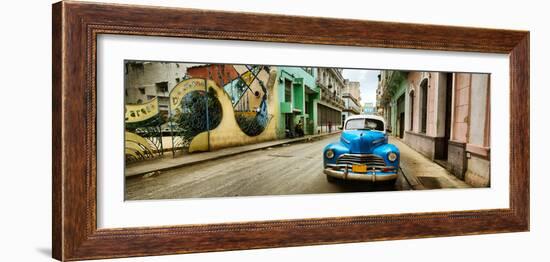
point(299, 129)
point(329, 126)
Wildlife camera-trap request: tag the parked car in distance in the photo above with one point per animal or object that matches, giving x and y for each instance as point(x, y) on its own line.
point(362, 153)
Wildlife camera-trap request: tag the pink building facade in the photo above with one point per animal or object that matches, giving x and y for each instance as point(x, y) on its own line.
point(470, 134)
point(427, 128)
point(447, 119)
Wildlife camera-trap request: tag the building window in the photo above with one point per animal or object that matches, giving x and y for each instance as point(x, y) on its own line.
point(288, 91)
point(163, 101)
point(424, 105)
point(162, 87)
point(142, 90)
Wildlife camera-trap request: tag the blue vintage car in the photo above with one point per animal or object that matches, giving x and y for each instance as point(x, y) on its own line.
point(362, 153)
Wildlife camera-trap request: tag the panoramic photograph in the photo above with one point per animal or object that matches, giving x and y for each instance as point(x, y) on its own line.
point(198, 130)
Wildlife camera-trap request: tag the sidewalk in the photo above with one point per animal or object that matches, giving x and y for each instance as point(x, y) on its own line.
point(421, 172)
point(163, 164)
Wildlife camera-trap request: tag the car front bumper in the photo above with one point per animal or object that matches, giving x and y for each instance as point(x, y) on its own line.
point(373, 176)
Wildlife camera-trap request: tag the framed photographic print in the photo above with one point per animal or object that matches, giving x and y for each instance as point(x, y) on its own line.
point(180, 130)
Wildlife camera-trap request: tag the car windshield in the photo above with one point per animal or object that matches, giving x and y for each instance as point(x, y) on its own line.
point(365, 124)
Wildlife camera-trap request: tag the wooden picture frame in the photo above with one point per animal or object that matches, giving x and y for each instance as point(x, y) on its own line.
point(76, 26)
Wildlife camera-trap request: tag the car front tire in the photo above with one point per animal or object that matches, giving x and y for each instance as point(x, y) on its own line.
point(333, 180)
point(387, 182)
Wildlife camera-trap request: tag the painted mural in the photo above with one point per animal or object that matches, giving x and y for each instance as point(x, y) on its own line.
point(214, 106)
point(143, 139)
point(245, 95)
point(246, 87)
point(248, 94)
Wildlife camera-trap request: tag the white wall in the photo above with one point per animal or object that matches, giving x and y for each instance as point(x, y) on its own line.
point(25, 189)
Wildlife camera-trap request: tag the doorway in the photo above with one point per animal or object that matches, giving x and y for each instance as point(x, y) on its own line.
point(400, 116)
point(289, 123)
point(423, 105)
point(411, 117)
point(401, 124)
point(448, 113)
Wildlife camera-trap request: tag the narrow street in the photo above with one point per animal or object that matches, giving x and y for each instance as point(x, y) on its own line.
point(289, 169)
point(295, 168)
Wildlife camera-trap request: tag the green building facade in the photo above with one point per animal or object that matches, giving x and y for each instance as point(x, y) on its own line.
point(392, 100)
point(298, 96)
point(397, 103)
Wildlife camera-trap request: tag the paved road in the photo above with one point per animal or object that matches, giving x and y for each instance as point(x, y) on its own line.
point(284, 170)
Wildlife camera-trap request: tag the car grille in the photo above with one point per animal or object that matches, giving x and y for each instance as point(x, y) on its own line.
point(361, 159)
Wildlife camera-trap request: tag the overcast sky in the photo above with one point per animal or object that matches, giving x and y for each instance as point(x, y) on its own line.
point(368, 80)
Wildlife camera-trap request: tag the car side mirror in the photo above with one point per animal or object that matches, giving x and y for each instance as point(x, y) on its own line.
point(340, 128)
point(388, 130)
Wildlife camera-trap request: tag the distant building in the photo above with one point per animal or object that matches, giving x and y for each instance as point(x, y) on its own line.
point(329, 108)
point(298, 98)
point(352, 99)
point(219, 73)
point(369, 109)
point(147, 80)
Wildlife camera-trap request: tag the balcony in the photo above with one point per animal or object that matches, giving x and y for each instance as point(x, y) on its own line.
point(286, 107)
point(352, 107)
point(330, 97)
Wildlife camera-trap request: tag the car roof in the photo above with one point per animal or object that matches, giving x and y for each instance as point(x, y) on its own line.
point(375, 117)
point(366, 117)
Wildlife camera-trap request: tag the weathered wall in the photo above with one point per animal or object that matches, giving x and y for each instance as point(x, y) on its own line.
point(478, 113)
point(471, 126)
point(478, 173)
point(421, 143)
point(456, 159)
point(228, 133)
point(461, 107)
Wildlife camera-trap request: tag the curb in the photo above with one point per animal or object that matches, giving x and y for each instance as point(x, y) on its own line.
point(291, 141)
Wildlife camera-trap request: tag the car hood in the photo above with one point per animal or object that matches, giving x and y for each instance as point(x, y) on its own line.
point(362, 141)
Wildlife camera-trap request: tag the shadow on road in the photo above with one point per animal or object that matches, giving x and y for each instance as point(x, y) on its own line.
point(365, 186)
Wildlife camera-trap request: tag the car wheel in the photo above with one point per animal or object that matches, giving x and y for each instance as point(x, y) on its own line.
point(388, 182)
point(333, 180)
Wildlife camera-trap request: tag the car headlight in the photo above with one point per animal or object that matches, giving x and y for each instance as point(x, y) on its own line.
point(392, 156)
point(329, 154)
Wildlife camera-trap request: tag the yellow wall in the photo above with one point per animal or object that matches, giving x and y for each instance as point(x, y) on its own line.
point(228, 133)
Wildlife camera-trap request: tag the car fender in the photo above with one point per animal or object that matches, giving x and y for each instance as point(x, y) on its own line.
point(384, 150)
point(338, 149)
